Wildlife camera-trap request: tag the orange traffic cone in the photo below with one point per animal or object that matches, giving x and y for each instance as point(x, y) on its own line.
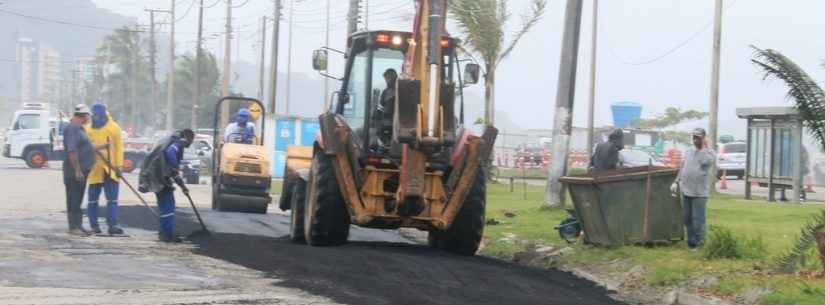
point(723, 184)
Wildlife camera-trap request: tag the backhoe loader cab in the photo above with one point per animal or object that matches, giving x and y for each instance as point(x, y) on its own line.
point(391, 157)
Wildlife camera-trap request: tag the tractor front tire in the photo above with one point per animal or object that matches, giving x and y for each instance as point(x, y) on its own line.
point(464, 235)
point(297, 201)
point(326, 219)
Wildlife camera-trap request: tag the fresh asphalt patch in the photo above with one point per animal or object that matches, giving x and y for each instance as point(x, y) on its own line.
point(370, 272)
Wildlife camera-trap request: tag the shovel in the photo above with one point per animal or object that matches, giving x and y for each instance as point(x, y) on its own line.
point(120, 176)
point(204, 231)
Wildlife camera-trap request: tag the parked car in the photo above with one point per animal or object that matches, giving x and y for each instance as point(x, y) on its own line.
point(195, 158)
point(636, 158)
point(731, 159)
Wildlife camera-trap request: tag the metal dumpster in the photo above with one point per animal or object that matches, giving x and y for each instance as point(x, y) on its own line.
point(627, 206)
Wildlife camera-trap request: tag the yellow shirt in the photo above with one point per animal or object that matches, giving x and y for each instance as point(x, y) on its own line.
point(108, 133)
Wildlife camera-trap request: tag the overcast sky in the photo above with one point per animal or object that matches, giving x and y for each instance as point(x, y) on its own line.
point(634, 34)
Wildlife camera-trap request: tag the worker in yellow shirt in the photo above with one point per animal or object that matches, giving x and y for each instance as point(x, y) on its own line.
point(102, 178)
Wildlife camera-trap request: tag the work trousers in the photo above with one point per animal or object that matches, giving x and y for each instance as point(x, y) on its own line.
point(74, 199)
point(111, 188)
point(694, 216)
point(166, 205)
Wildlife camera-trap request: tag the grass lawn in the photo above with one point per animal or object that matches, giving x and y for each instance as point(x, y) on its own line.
point(775, 224)
point(276, 186)
point(518, 172)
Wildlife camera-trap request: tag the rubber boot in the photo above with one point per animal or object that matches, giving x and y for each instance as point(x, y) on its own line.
point(115, 230)
point(76, 224)
point(169, 238)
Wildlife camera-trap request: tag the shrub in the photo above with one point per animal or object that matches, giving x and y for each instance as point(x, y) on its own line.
point(723, 243)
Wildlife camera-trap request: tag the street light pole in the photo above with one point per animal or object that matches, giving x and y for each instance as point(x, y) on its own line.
point(170, 94)
point(594, 49)
point(714, 86)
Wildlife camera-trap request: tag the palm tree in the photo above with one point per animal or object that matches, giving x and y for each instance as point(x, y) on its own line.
point(809, 100)
point(482, 23)
point(209, 84)
point(125, 79)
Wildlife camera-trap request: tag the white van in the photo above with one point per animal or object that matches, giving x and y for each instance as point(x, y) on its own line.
point(35, 135)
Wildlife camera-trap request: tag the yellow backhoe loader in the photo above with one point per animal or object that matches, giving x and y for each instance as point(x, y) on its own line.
point(393, 152)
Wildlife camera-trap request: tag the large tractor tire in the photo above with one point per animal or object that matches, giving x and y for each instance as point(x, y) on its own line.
point(326, 219)
point(36, 158)
point(464, 235)
point(297, 201)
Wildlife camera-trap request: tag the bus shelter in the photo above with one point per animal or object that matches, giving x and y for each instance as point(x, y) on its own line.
point(774, 155)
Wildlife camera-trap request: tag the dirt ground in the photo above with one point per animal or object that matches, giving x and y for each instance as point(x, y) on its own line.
point(246, 260)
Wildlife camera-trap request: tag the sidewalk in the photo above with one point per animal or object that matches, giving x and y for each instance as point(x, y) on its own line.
point(737, 187)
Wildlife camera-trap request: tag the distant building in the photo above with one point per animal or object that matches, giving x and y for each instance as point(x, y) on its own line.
point(40, 71)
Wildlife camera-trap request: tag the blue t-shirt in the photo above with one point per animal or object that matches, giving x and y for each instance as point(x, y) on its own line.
point(75, 140)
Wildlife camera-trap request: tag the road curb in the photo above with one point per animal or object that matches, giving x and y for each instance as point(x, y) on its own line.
point(611, 285)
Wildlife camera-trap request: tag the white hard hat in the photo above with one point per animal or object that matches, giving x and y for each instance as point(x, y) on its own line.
point(82, 109)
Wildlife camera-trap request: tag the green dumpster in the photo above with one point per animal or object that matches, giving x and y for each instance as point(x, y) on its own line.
point(627, 206)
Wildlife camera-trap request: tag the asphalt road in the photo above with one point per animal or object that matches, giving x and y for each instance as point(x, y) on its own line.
point(246, 260)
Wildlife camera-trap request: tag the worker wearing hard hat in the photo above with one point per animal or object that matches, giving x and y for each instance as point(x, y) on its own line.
point(76, 165)
point(241, 131)
point(104, 178)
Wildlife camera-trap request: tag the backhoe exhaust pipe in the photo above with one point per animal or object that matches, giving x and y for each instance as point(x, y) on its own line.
point(436, 29)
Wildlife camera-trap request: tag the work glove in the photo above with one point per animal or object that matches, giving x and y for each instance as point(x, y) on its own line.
point(674, 189)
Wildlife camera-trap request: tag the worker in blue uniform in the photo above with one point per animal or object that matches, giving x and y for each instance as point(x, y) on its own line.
point(242, 130)
point(160, 172)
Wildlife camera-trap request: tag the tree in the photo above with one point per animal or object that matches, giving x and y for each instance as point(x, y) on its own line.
point(124, 81)
point(209, 85)
point(482, 23)
point(673, 116)
point(809, 100)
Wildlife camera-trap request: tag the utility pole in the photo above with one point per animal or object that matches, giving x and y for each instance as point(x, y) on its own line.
point(263, 60)
point(366, 14)
point(227, 62)
point(196, 96)
point(170, 94)
point(273, 67)
point(352, 17)
point(326, 79)
point(594, 49)
point(714, 85)
point(289, 57)
point(565, 97)
point(153, 52)
point(133, 75)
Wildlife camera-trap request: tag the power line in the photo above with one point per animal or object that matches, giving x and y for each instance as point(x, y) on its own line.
point(213, 4)
point(669, 51)
point(66, 22)
point(189, 9)
point(242, 4)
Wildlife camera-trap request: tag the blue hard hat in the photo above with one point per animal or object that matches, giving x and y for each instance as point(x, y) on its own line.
point(243, 112)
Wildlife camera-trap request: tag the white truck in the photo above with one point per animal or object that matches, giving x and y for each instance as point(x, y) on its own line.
point(35, 135)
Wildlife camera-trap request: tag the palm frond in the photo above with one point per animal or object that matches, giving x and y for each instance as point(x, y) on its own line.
point(788, 261)
point(808, 97)
point(809, 100)
point(528, 21)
